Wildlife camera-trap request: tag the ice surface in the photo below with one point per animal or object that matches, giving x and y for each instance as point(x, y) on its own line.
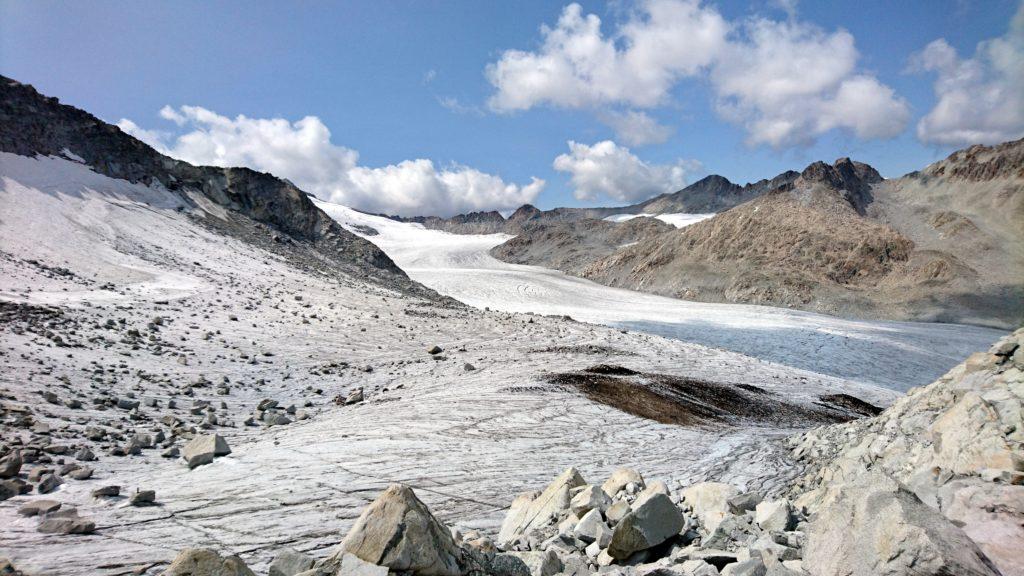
point(679, 220)
point(897, 355)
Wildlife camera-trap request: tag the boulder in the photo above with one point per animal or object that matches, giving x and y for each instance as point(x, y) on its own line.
point(206, 562)
point(617, 511)
point(540, 563)
point(875, 526)
point(619, 479)
point(590, 498)
point(710, 502)
point(10, 465)
point(39, 507)
point(591, 528)
point(204, 448)
point(354, 397)
point(65, 521)
point(774, 515)
point(656, 520)
point(290, 563)
point(523, 518)
point(742, 503)
point(397, 531)
point(508, 565)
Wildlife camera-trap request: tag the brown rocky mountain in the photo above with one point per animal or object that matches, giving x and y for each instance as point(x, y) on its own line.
point(944, 244)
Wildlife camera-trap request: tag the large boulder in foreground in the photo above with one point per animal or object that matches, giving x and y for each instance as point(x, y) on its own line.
point(877, 527)
point(206, 562)
point(527, 514)
point(399, 532)
point(653, 521)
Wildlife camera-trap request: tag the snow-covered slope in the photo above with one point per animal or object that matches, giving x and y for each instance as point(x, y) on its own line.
point(896, 355)
point(678, 220)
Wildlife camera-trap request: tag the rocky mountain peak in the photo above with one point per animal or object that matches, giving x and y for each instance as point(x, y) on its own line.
point(524, 212)
point(852, 180)
point(982, 163)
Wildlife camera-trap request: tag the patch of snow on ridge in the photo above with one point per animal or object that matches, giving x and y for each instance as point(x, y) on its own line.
point(894, 355)
point(679, 220)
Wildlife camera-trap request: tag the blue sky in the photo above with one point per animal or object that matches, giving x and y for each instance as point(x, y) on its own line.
point(405, 81)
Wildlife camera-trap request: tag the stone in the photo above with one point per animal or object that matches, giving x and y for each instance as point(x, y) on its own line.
point(206, 562)
point(434, 350)
point(591, 528)
point(876, 526)
point(589, 498)
point(48, 483)
point(397, 531)
point(619, 479)
point(744, 502)
point(290, 563)
point(83, 473)
point(508, 564)
point(544, 563)
point(10, 465)
point(106, 492)
point(523, 517)
point(143, 498)
point(202, 449)
point(617, 511)
point(39, 507)
point(354, 397)
point(774, 515)
point(71, 524)
point(710, 502)
point(652, 522)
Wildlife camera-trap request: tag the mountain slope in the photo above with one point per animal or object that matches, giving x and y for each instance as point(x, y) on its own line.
point(32, 124)
point(942, 245)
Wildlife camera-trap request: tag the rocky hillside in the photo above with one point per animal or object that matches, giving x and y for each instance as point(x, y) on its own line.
point(711, 194)
point(945, 244)
point(259, 206)
point(932, 486)
point(571, 248)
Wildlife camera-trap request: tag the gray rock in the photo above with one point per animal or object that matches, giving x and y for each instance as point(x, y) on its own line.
point(617, 511)
point(106, 492)
point(656, 520)
point(290, 563)
point(202, 449)
point(774, 515)
point(399, 532)
point(591, 528)
point(744, 502)
point(876, 526)
point(710, 502)
point(354, 397)
point(66, 525)
point(619, 479)
point(206, 562)
point(544, 563)
point(508, 565)
point(589, 498)
point(10, 465)
point(48, 483)
point(749, 567)
point(39, 507)
point(143, 498)
point(523, 517)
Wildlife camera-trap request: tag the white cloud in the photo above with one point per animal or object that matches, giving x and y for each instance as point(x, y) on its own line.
point(785, 82)
point(607, 169)
point(789, 82)
point(577, 65)
point(302, 152)
point(979, 100)
point(636, 128)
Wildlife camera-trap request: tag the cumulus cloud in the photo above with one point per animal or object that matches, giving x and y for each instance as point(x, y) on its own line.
point(785, 82)
point(577, 65)
point(979, 100)
point(636, 128)
point(607, 169)
point(789, 82)
point(302, 152)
